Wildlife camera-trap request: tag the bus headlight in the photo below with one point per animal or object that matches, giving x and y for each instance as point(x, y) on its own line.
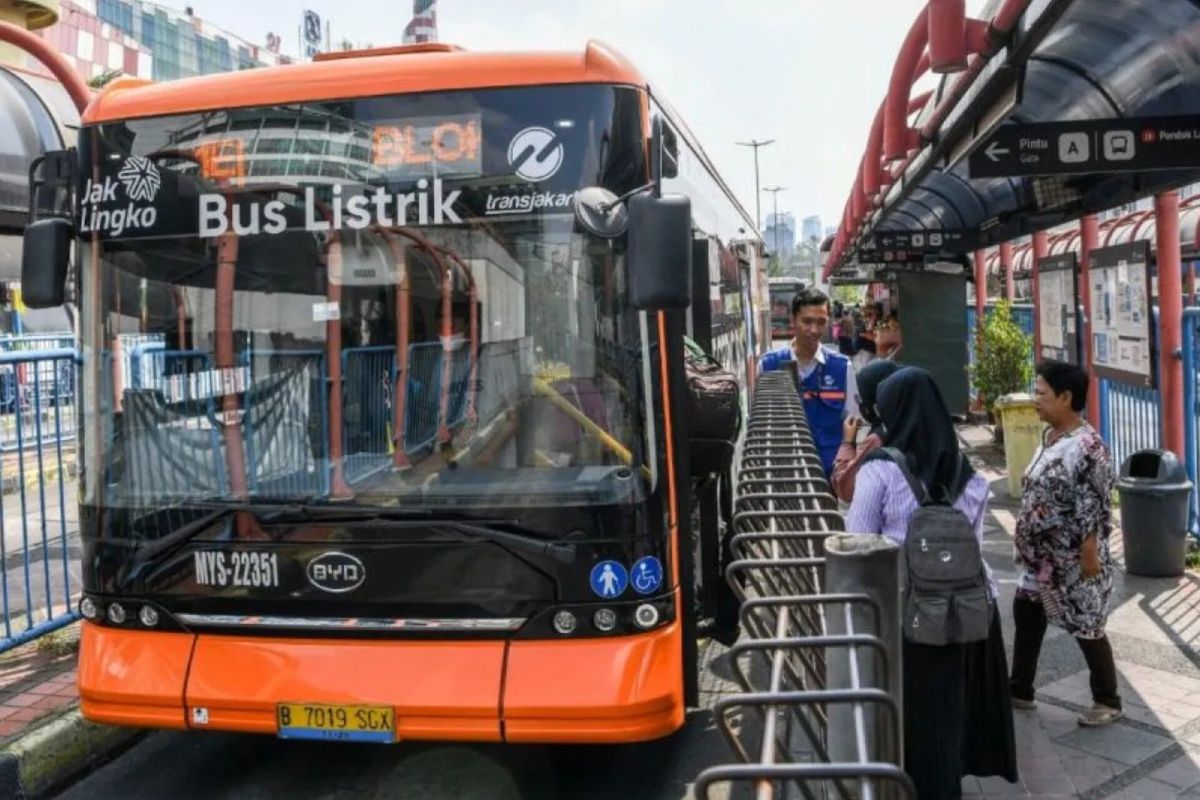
point(565, 622)
point(148, 616)
point(88, 608)
point(116, 614)
point(646, 616)
point(605, 619)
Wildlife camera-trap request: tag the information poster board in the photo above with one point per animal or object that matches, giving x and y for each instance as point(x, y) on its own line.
point(1058, 299)
point(1122, 325)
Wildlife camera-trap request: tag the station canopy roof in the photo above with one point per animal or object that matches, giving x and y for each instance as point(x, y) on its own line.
point(1060, 61)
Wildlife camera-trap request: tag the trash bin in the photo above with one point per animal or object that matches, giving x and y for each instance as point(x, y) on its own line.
point(1022, 435)
point(1155, 493)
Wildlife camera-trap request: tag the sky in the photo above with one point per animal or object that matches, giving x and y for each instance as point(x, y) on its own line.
point(807, 73)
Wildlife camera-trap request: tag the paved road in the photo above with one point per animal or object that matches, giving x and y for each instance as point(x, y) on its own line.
point(218, 766)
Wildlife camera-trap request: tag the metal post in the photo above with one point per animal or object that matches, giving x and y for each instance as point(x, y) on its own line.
point(757, 192)
point(980, 287)
point(1089, 240)
point(1170, 319)
point(870, 565)
point(775, 190)
point(1041, 247)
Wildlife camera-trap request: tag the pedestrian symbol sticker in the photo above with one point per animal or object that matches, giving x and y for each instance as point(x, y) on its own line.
point(609, 579)
point(647, 575)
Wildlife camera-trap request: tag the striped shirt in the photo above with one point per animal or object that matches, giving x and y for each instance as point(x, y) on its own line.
point(883, 503)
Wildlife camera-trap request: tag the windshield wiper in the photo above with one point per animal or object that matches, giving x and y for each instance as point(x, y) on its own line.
point(300, 512)
point(559, 551)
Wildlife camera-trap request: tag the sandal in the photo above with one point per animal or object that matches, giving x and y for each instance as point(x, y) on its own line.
point(1099, 715)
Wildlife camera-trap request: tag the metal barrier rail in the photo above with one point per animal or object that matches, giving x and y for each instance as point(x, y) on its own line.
point(37, 585)
point(818, 663)
point(1191, 407)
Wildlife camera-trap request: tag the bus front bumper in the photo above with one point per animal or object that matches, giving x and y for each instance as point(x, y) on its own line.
point(619, 689)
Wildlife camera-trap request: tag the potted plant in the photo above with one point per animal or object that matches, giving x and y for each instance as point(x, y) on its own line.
point(1003, 360)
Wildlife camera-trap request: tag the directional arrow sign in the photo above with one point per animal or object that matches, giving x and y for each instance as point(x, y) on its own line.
point(994, 151)
point(1073, 148)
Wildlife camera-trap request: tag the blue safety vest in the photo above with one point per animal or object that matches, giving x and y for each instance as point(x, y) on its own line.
point(824, 395)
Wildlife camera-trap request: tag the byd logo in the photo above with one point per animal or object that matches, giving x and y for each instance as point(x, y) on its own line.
point(535, 154)
point(336, 572)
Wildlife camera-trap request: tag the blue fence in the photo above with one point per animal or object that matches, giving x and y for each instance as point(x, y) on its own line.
point(369, 374)
point(1191, 406)
point(38, 529)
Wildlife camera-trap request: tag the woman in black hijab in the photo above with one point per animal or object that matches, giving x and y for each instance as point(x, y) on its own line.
point(957, 709)
point(851, 455)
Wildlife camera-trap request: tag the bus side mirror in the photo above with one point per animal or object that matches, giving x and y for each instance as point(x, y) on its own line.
point(45, 256)
point(659, 257)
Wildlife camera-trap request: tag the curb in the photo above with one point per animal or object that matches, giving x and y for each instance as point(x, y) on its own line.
point(47, 756)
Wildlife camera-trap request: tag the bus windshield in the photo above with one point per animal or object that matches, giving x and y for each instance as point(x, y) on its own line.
point(382, 300)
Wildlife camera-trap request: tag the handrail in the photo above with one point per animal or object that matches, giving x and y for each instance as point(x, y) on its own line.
point(818, 709)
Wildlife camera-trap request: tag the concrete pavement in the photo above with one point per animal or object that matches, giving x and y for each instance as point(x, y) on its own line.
point(1155, 632)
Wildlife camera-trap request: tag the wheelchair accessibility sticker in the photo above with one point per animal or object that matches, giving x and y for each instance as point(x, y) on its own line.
point(647, 575)
point(609, 579)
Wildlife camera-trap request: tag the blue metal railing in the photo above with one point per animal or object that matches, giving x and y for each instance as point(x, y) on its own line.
point(370, 375)
point(1191, 407)
point(422, 396)
point(36, 586)
point(293, 462)
point(460, 377)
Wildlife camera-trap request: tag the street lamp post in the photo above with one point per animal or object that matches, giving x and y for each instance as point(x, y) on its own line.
point(775, 190)
point(757, 192)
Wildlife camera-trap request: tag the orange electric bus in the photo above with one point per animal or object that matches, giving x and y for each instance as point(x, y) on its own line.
point(382, 395)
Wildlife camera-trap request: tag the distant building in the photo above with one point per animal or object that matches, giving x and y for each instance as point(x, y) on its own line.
point(92, 46)
point(811, 229)
point(780, 234)
point(423, 25)
point(180, 44)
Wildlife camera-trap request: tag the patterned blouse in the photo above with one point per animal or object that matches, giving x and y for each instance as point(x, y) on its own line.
point(1067, 495)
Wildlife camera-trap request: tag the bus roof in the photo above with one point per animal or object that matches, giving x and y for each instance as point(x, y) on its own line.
point(368, 73)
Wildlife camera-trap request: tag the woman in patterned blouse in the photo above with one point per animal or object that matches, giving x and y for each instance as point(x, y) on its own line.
point(1062, 543)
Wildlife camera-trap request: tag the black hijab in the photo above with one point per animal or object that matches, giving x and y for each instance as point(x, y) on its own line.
point(868, 381)
point(917, 423)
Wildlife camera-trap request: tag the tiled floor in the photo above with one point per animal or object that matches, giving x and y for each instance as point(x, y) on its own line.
point(33, 685)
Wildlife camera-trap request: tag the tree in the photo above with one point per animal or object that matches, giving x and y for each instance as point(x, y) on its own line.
point(776, 267)
point(1003, 357)
point(104, 78)
point(847, 295)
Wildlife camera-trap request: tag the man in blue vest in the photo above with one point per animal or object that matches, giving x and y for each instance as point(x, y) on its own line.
point(827, 382)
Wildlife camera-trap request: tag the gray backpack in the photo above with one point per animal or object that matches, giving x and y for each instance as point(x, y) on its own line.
point(946, 598)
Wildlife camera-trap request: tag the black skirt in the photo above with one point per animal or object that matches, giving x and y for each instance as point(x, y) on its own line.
point(957, 714)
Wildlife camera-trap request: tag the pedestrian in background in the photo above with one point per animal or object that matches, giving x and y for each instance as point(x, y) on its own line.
point(957, 714)
point(851, 454)
point(1062, 543)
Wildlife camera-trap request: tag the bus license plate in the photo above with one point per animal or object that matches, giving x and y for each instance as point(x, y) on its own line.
point(339, 723)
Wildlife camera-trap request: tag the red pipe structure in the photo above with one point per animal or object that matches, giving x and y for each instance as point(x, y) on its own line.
point(1170, 316)
point(338, 487)
point(400, 391)
point(39, 48)
point(896, 133)
point(1006, 264)
point(1089, 236)
point(936, 26)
